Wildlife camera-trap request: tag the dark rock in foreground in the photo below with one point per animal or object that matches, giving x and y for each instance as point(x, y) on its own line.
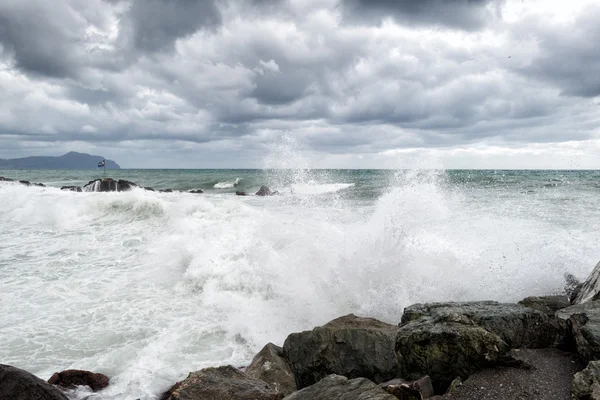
point(586, 384)
point(270, 366)
point(223, 383)
point(350, 346)
point(401, 389)
point(590, 290)
point(75, 377)
point(549, 305)
point(265, 191)
point(582, 326)
point(341, 388)
point(72, 188)
point(16, 384)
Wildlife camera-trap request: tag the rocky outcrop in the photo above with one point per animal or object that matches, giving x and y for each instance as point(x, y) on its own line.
point(23, 182)
point(108, 185)
point(586, 384)
point(3, 179)
point(149, 189)
point(590, 290)
point(549, 305)
point(270, 366)
point(516, 325)
point(223, 383)
point(581, 324)
point(166, 191)
point(196, 191)
point(238, 193)
point(72, 188)
point(26, 183)
point(265, 191)
point(406, 390)
point(350, 346)
point(75, 377)
point(341, 388)
point(17, 384)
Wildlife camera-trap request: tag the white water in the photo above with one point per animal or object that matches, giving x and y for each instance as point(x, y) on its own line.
point(313, 188)
point(146, 286)
point(227, 185)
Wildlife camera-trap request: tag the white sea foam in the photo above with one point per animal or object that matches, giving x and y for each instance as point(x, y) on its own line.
point(227, 185)
point(146, 286)
point(313, 188)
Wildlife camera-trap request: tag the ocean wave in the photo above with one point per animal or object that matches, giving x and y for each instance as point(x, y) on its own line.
point(318, 188)
point(227, 185)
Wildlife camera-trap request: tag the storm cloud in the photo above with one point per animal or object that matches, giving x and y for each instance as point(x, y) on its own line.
point(199, 83)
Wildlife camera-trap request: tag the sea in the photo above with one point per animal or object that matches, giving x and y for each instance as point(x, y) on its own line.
point(146, 287)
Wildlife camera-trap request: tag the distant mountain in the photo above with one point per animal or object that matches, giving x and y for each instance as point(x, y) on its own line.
point(71, 160)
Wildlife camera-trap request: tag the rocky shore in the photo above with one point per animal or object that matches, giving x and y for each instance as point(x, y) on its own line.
point(539, 348)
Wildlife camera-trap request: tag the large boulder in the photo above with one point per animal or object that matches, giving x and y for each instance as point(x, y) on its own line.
point(586, 384)
point(270, 366)
point(549, 305)
point(108, 185)
point(516, 325)
point(76, 377)
point(265, 191)
point(17, 384)
point(341, 388)
point(350, 346)
point(406, 390)
point(590, 290)
point(223, 383)
point(581, 324)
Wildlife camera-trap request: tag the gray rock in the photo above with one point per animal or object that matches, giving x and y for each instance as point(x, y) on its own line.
point(407, 390)
point(341, 388)
point(516, 325)
point(590, 290)
point(265, 191)
point(196, 191)
point(109, 185)
point(586, 384)
point(350, 346)
point(223, 383)
point(581, 324)
point(270, 366)
point(549, 305)
point(3, 179)
point(72, 188)
point(17, 384)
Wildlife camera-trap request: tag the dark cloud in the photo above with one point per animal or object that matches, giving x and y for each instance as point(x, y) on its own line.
point(157, 24)
point(462, 14)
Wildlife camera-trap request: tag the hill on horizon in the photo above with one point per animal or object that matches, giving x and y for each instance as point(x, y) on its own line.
point(71, 160)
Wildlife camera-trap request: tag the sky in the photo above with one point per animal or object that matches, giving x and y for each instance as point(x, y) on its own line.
point(335, 83)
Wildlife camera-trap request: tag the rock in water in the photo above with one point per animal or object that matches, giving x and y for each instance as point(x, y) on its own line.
point(238, 193)
point(586, 384)
point(349, 345)
point(582, 326)
point(196, 191)
point(270, 366)
point(109, 185)
point(549, 305)
point(265, 191)
point(341, 388)
point(75, 377)
point(26, 183)
point(16, 384)
point(3, 179)
point(72, 188)
point(223, 383)
point(590, 290)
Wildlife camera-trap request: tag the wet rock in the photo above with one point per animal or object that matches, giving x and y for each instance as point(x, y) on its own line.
point(516, 325)
point(406, 390)
point(72, 188)
point(223, 383)
point(75, 377)
point(123, 185)
point(39, 184)
point(265, 191)
point(109, 185)
point(166, 191)
point(349, 346)
point(168, 393)
point(270, 366)
point(196, 191)
point(590, 290)
point(26, 183)
point(17, 384)
point(3, 179)
point(341, 388)
point(149, 189)
point(586, 384)
point(549, 305)
point(572, 287)
point(240, 193)
point(581, 323)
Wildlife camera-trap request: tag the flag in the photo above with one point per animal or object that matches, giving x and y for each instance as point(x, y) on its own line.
point(101, 164)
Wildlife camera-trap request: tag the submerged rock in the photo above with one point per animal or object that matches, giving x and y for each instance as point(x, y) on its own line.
point(3, 179)
point(166, 191)
point(270, 366)
point(149, 189)
point(223, 383)
point(582, 326)
point(75, 377)
point(341, 388)
point(351, 346)
point(590, 290)
point(26, 183)
point(72, 188)
point(586, 384)
point(17, 384)
point(549, 305)
point(265, 191)
point(240, 193)
point(196, 191)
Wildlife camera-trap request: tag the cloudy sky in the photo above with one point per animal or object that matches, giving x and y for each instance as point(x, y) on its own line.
point(349, 83)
